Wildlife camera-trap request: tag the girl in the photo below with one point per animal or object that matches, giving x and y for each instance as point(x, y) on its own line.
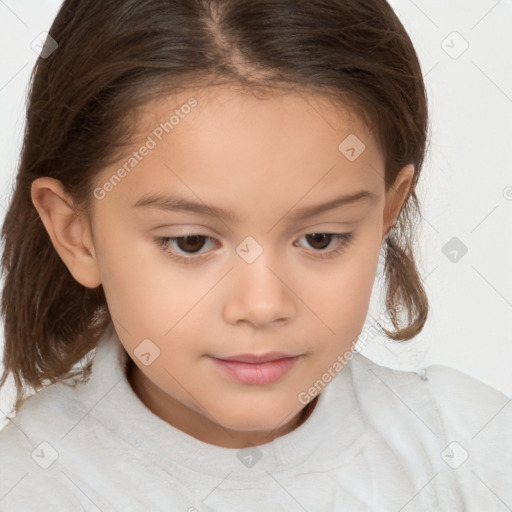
point(204, 190)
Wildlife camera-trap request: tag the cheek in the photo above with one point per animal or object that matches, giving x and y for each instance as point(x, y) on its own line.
point(341, 293)
point(135, 278)
point(340, 298)
point(152, 297)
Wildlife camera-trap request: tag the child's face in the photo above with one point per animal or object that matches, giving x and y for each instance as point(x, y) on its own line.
point(259, 284)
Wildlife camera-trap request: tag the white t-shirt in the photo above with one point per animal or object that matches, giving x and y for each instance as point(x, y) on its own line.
point(378, 440)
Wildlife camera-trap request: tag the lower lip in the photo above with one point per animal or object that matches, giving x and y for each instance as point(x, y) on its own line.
point(252, 373)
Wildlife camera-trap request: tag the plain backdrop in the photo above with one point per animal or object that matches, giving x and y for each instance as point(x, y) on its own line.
point(465, 240)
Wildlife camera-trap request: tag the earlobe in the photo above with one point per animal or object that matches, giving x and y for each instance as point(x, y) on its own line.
point(68, 230)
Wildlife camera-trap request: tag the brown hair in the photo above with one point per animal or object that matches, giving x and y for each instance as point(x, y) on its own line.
point(116, 55)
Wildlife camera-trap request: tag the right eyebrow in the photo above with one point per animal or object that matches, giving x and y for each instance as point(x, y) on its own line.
point(174, 203)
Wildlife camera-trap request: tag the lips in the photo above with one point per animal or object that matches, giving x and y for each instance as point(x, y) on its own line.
point(255, 358)
point(264, 369)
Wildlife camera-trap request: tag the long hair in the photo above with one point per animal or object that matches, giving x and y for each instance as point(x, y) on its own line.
point(115, 56)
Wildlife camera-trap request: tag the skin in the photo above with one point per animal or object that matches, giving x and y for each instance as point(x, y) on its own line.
point(262, 159)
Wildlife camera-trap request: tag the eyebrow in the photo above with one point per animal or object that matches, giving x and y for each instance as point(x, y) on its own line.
point(175, 203)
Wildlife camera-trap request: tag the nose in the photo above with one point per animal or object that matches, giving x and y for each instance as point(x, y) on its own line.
point(259, 296)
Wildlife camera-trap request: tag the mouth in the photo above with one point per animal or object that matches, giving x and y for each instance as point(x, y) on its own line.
point(256, 369)
point(257, 358)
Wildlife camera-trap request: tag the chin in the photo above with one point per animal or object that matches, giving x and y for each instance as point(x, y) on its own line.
point(256, 421)
point(251, 426)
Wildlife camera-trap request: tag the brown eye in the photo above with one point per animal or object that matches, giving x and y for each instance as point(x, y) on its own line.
point(190, 243)
point(183, 247)
point(319, 240)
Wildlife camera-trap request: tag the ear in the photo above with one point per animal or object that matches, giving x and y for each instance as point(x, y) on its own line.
point(396, 196)
point(69, 230)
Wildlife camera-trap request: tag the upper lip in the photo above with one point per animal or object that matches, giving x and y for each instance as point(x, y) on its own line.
point(255, 358)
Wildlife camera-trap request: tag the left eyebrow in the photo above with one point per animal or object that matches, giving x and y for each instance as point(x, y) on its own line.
point(310, 211)
point(175, 203)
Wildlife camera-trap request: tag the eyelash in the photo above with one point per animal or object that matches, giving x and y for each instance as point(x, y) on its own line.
point(163, 242)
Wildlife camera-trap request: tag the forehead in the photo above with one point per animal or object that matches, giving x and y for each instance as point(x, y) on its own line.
point(222, 144)
point(220, 119)
point(235, 104)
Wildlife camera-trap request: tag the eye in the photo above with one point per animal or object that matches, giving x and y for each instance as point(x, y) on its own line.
point(190, 244)
point(324, 239)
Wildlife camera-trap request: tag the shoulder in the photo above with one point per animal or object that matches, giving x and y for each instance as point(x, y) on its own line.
point(458, 424)
point(27, 477)
point(452, 398)
point(31, 447)
point(463, 393)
